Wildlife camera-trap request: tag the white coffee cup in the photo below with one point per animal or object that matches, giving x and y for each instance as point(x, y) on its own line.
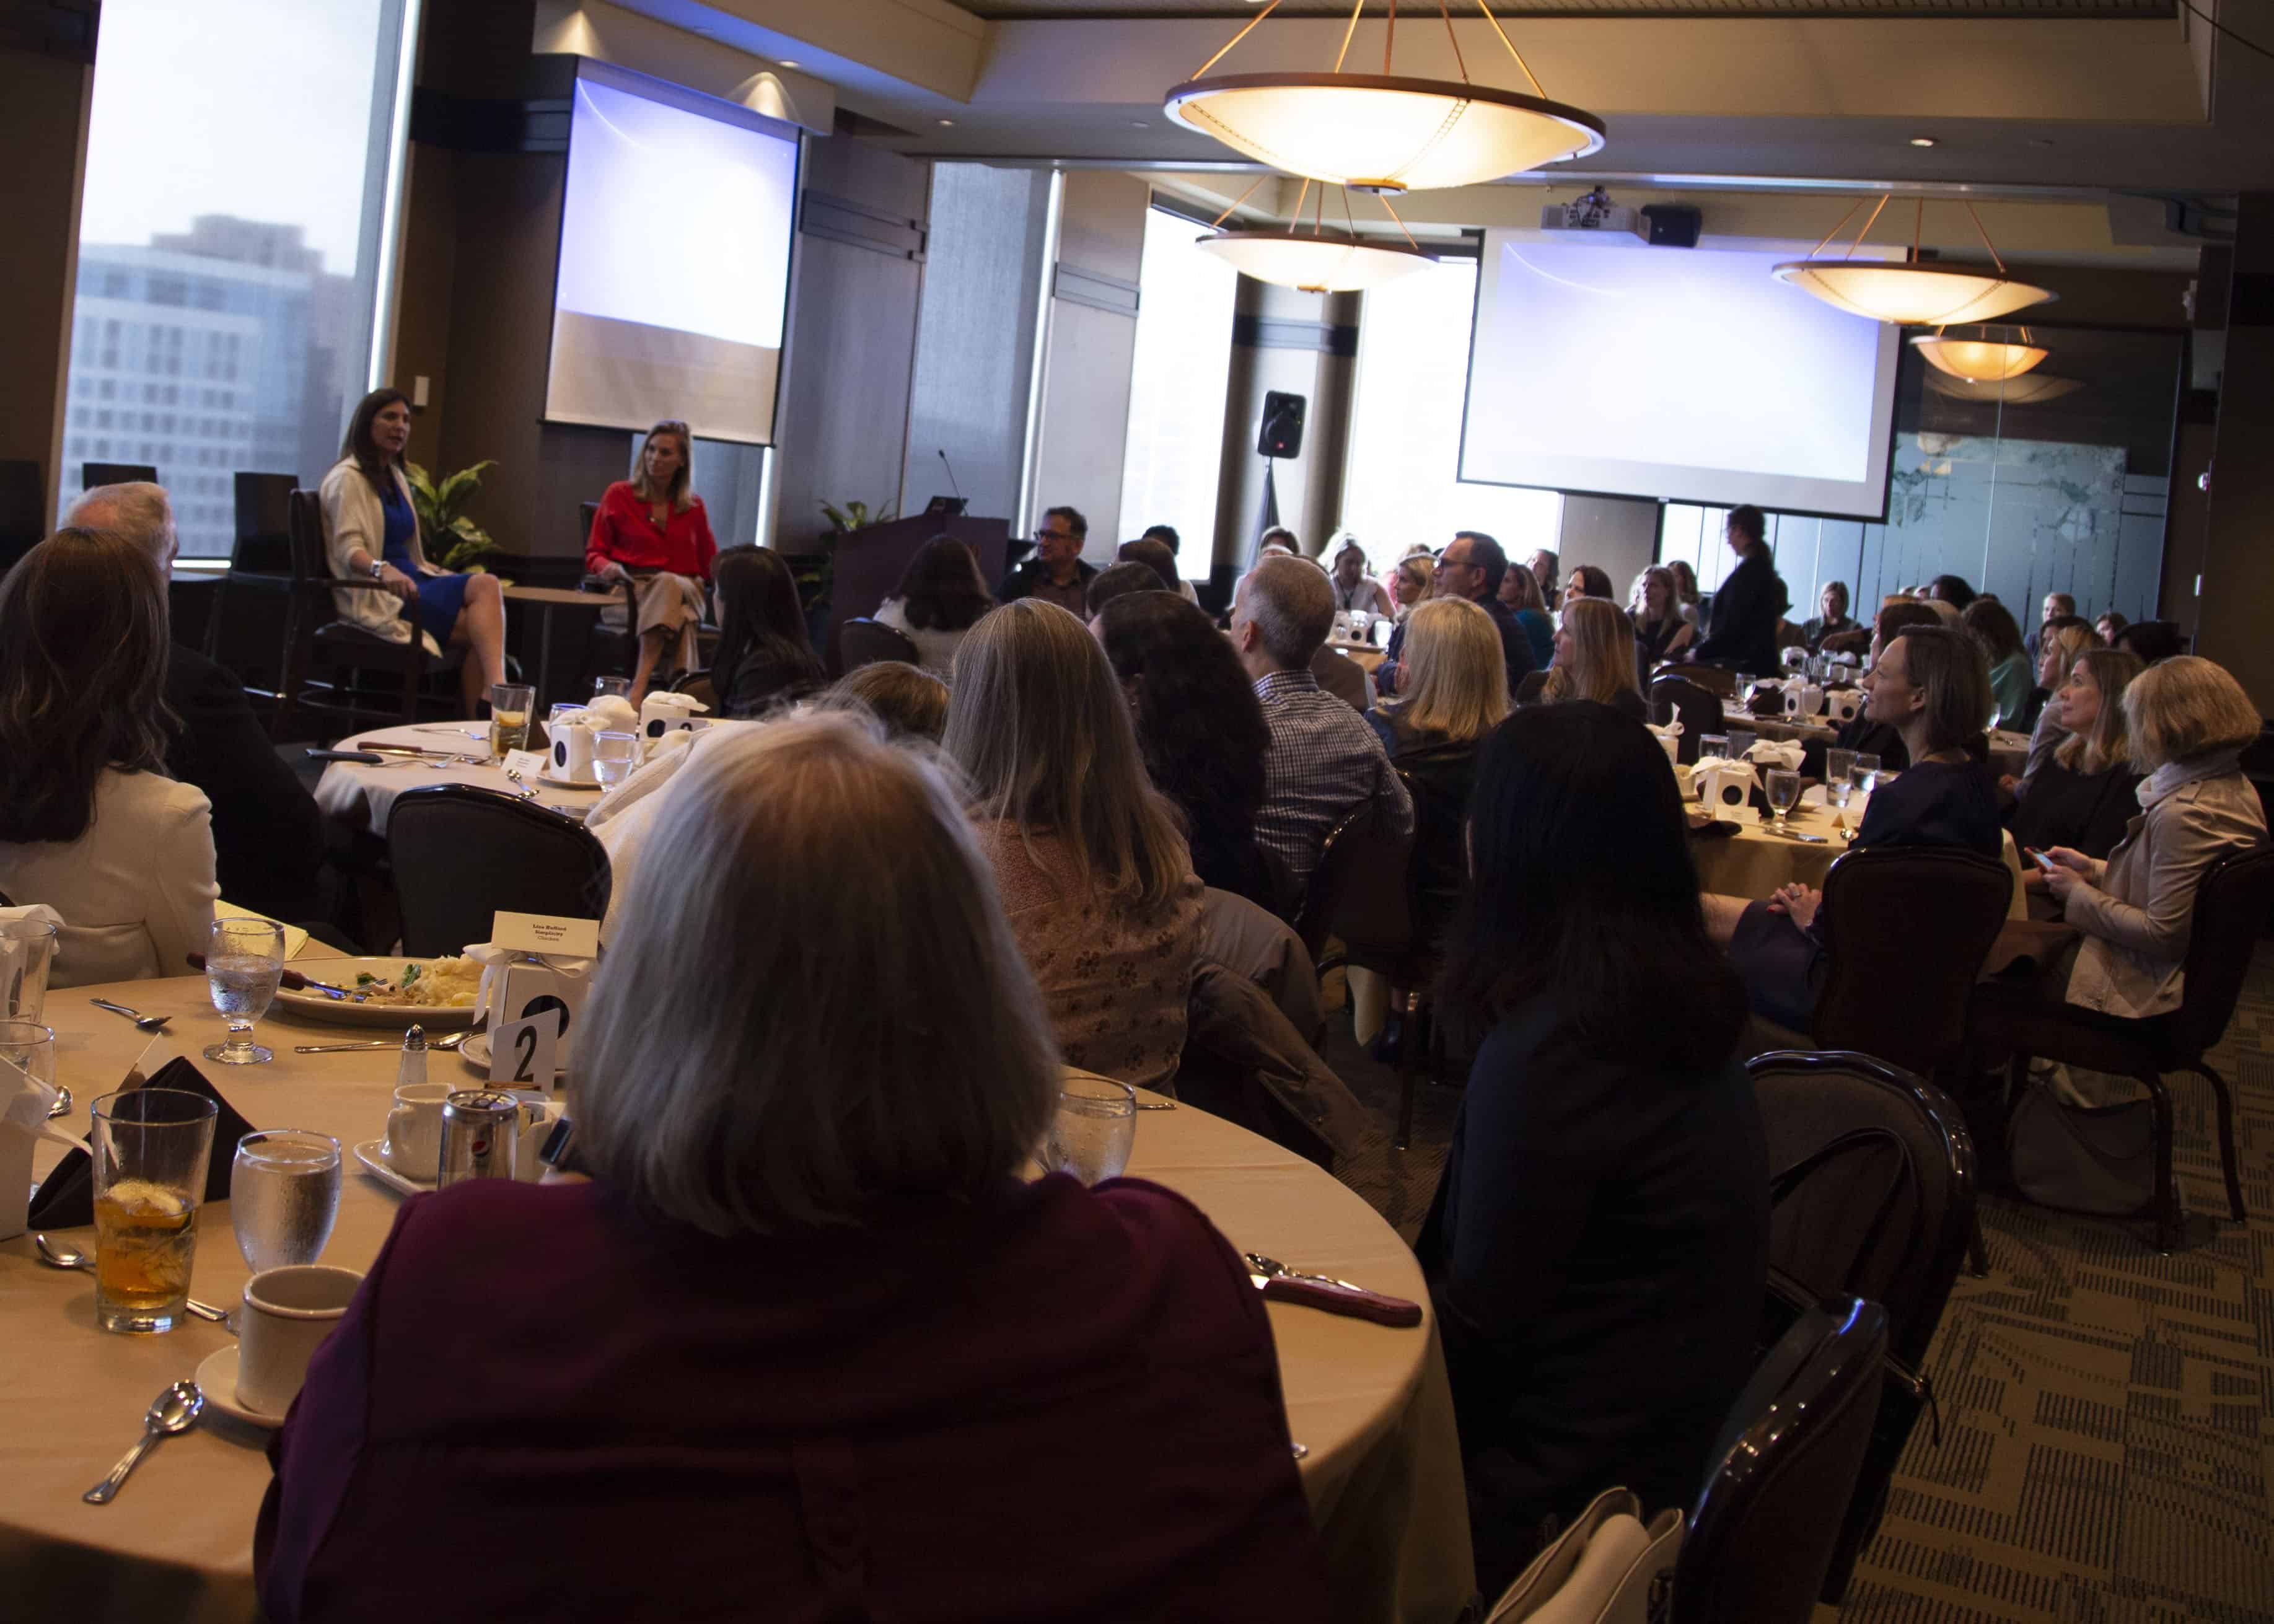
point(287, 1313)
point(414, 1130)
point(572, 752)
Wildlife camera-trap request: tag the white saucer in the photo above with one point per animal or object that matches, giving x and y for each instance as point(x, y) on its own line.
point(546, 777)
point(475, 1051)
point(217, 1380)
point(373, 1154)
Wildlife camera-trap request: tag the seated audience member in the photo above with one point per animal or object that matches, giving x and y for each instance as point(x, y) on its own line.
point(1833, 621)
point(1343, 677)
point(1661, 633)
point(2081, 796)
point(2013, 689)
point(1158, 556)
point(1950, 589)
point(1587, 581)
point(1200, 732)
point(909, 701)
point(1473, 567)
point(267, 831)
point(809, 1080)
point(1598, 1245)
point(89, 823)
point(1946, 615)
point(2056, 607)
point(765, 657)
point(1093, 871)
point(2108, 624)
point(1057, 572)
point(1324, 762)
point(371, 533)
point(1519, 595)
point(1276, 541)
point(2060, 644)
point(1411, 583)
point(1686, 590)
point(1456, 693)
point(940, 595)
point(1120, 581)
point(1355, 590)
point(1544, 565)
point(1864, 734)
point(653, 532)
point(2153, 641)
point(1594, 659)
point(2188, 722)
point(1931, 685)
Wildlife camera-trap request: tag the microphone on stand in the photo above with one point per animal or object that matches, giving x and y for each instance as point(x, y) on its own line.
point(945, 463)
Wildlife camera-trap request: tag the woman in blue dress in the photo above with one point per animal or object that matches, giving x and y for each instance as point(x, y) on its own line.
point(371, 533)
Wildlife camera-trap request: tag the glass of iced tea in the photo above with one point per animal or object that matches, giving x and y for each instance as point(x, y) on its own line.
point(509, 707)
point(151, 1149)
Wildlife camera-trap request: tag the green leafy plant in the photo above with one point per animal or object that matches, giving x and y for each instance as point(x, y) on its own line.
point(816, 573)
point(451, 539)
point(856, 516)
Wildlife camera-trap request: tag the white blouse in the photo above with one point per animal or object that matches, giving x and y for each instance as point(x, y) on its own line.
point(935, 648)
point(136, 890)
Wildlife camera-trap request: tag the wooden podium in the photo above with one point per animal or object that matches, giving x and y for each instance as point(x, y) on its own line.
point(870, 562)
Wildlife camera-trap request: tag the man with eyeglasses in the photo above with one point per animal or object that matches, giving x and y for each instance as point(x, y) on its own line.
point(1056, 573)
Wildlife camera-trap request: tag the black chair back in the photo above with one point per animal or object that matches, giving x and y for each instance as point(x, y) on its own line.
point(264, 522)
point(93, 474)
point(586, 511)
point(1762, 1534)
point(698, 684)
point(863, 641)
point(461, 855)
point(307, 558)
point(1698, 712)
point(1907, 928)
point(2232, 902)
point(1353, 856)
point(23, 509)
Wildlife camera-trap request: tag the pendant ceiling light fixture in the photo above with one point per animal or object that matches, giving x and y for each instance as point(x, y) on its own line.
point(2031, 390)
point(1978, 360)
point(1313, 260)
point(1909, 292)
point(1379, 132)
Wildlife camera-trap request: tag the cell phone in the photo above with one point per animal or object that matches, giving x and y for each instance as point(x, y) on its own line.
point(2043, 861)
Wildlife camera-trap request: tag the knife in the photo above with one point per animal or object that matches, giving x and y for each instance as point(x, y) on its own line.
point(368, 757)
point(293, 980)
point(1281, 1284)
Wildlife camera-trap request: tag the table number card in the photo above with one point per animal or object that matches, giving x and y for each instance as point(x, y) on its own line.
point(522, 1052)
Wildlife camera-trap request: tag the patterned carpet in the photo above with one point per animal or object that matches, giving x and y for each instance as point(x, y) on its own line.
point(2107, 1414)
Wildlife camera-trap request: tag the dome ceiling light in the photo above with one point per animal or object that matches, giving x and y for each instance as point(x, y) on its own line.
point(1313, 260)
point(2031, 390)
point(1910, 292)
point(1978, 360)
point(1380, 133)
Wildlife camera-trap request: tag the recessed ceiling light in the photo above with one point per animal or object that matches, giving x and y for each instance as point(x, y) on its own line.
point(947, 123)
point(784, 62)
point(1921, 140)
point(1138, 124)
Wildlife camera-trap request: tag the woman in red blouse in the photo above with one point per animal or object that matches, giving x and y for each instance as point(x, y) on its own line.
point(653, 531)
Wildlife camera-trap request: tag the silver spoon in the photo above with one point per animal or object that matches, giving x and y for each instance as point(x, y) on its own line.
point(54, 1254)
point(521, 785)
point(446, 1045)
point(146, 1023)
point(62, 1107)
point(174, 1410)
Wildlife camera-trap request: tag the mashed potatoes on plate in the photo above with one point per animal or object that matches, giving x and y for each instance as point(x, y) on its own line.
point(430, 983)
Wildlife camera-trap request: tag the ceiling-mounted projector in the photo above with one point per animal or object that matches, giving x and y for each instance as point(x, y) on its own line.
point(1594, 214)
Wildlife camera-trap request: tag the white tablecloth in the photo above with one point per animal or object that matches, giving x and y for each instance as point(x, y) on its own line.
point(361, 795)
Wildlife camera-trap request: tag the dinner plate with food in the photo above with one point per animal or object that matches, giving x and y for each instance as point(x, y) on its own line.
point(436, 993)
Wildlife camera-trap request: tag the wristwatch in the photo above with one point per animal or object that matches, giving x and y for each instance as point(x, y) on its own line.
point(378, 569)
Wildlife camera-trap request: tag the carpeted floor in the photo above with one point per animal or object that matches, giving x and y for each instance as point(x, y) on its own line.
point(2107, 1414)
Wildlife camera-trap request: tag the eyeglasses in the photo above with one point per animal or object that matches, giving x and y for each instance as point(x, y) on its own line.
point(1054, 535)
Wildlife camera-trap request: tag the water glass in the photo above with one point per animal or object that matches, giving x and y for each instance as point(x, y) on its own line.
point(151, 1149)
point(614, 757)
point(1865, 772)
point(553, 717)
point(509, 707)
point(1092, 1129)
point(1783, 789)
point(1838, 764)
point(1713, 747)
point(27, 953)
point(621, 687)
point(30, 1049)
point(1740, 742)
point(245, 960)
point(285, 1196)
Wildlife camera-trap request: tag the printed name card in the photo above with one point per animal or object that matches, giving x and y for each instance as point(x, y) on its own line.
point(541, 933)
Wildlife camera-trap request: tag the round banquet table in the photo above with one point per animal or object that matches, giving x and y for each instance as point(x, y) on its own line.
point(1753, 862)
point(359, 794)
point(1371, 1403)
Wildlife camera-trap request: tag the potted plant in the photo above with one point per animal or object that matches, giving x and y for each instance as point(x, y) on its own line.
point(451, 539)
point(815, 572)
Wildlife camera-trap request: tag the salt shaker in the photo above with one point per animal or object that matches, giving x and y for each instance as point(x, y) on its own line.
point(412, 1068)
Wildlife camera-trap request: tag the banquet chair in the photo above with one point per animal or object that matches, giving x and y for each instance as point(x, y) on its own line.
point(1361, 896)
point(698, 684)
point(612, 648)
point(1719, 681)
point(1698, 711)
point(2232, 900)
point(313, 637)
point(461, 853)
point(1874, 1196)
point(1763, 1531)
point(863, 641)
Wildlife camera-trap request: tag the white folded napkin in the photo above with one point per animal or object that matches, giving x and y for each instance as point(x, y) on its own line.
point(613, 713)
point(1771, 753)
point(1814, 796)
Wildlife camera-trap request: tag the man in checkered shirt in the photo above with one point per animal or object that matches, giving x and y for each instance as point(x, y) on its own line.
point(1325, 761)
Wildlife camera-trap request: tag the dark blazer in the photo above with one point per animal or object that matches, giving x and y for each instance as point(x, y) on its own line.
point(268, 835)
point(1596, 1253)
point(1514, 643)
point(1021, 579)
point(1745, 611)
point(764, 679)
point(908, 1420)
point(2090, 811)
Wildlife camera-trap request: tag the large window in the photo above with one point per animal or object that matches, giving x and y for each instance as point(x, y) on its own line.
point(1403, 486)
point(1176, 387)
point(229, 243)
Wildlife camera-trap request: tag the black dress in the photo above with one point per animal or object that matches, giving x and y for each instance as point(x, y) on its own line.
point(1936, 803)
point(1596, 1255)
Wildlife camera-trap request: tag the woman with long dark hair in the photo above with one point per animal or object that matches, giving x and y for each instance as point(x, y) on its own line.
point(89, 823)
point(1200, 731)
point(2012, 688)
point(371, 532)
point(765, 657)
point(939, 598)
point(1599, 1242)
point(651, 531)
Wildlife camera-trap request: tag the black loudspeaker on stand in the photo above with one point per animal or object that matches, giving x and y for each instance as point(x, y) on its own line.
point(1282, 433)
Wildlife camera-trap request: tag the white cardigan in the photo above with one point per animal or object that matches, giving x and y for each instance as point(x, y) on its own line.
point(354, 518)
point(136, 890)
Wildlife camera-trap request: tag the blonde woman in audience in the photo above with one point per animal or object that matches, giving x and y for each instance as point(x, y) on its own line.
point(1410, 582)
point(89, 823)
point(1661, 633)
point(2061, 643)
point(2084, 794)
point(1092, 869)
point(1594, 659)
point(1685, 588)
point(810, 1075)
point(1519, 595)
